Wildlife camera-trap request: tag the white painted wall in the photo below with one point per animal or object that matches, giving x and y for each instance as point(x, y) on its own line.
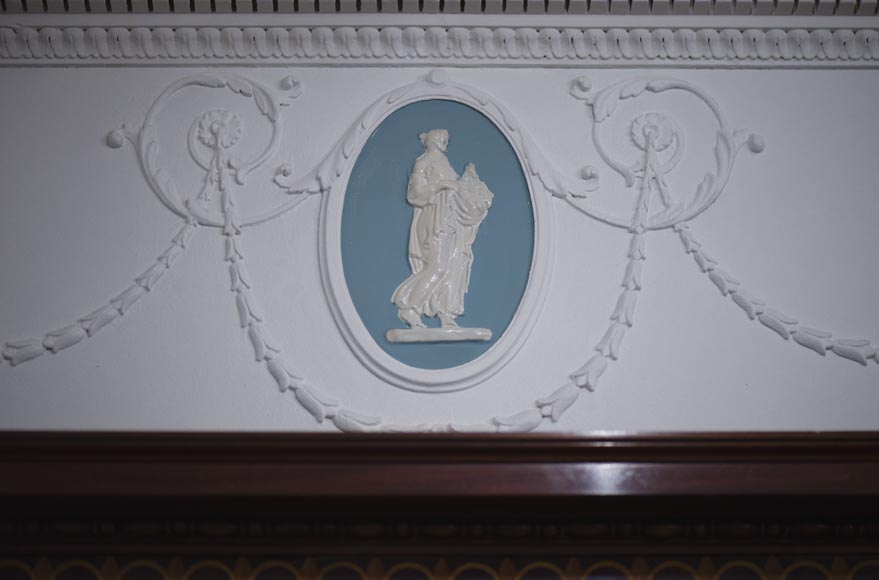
point(796, 225)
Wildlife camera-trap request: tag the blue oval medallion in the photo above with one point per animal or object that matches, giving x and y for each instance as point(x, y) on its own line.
point(376, 224)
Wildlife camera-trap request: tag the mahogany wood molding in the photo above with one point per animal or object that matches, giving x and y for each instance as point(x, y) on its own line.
point(338, 494)
point(456, 466)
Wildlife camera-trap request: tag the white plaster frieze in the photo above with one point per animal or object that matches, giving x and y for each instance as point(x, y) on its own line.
point(656, 138)
point(761, 44)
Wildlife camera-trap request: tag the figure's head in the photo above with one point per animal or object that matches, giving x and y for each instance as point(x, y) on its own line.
point(438, 138)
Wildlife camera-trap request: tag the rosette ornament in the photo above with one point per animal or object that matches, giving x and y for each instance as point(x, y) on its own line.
point(218, 131)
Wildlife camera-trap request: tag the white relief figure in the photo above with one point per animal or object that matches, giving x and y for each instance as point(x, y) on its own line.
point(448, 211)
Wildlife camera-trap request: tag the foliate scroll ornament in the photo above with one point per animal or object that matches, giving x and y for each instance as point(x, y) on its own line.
point(211, 139)
point(604, 104)
point(662, 141)
point(436, 85)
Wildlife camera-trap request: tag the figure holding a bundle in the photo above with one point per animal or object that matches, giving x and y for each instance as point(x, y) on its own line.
point(448, 210)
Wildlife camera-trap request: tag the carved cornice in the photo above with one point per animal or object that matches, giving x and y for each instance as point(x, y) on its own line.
point(562, 8)
point(423, 45)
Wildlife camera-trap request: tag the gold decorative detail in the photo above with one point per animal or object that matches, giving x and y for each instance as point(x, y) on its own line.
point(635, 568)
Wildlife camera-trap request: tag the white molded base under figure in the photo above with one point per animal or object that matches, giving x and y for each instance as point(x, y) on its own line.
point(442, 334)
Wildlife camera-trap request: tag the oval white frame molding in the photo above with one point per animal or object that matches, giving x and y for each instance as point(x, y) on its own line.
point(332, 177)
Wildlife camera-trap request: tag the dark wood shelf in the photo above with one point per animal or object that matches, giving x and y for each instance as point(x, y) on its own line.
point(443, 494)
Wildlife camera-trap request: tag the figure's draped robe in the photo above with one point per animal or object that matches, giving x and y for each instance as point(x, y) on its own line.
point(444, 225)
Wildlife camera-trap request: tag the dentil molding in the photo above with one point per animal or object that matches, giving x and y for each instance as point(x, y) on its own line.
point(561, 8)
point(753, 45)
